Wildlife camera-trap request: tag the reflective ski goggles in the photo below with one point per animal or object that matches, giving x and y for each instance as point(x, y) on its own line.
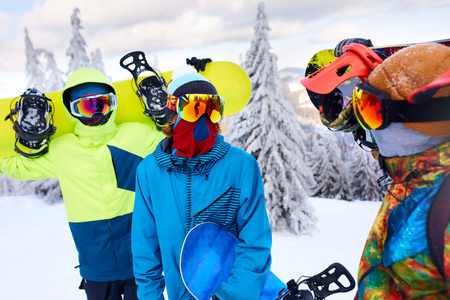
point(191, 107)
point(375, 110)
point(89, 105)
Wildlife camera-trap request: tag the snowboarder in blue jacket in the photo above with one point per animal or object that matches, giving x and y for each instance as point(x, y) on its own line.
point(194, 176)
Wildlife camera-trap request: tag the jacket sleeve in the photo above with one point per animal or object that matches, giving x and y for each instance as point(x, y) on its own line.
point(147, 263)
point(252, 253)
point(24, 168)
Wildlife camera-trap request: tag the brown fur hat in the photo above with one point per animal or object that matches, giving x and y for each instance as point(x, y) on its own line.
point(411, 68)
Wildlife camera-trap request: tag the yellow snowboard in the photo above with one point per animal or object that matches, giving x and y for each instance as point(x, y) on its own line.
point(230, 80)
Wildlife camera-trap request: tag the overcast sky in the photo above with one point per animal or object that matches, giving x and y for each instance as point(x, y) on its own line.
point(172, 30)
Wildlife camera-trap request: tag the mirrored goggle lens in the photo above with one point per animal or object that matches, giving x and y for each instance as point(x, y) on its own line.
point(367, 109)
point(192, 106)
point(88, 106)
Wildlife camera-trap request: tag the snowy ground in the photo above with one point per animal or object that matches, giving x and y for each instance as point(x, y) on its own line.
point(38, 256)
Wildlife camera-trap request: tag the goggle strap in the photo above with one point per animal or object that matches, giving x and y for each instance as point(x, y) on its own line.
point(402, 111)
point(359, 135)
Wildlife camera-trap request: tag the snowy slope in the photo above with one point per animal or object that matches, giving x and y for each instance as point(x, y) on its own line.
point(38, 256)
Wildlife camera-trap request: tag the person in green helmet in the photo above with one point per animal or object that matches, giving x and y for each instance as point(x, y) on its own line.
point(95, 166)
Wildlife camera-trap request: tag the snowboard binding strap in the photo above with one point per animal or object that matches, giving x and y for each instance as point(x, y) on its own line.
point(150, 90)
point(357, 61)
point(334, 279)
point(32, 118)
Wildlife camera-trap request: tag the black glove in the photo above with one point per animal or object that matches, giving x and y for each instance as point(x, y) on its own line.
point(338, 50)
point(198, 64)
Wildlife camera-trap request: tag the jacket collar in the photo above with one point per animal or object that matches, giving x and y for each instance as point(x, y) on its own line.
point(201, 164)
point(420, 169)
point(95, 135)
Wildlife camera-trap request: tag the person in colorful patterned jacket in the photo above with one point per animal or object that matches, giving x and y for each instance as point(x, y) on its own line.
point(405, 106)
point(95, 166)
point(407, 253)
point(192, 177)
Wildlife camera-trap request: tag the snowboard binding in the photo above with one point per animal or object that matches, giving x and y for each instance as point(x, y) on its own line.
point(32, 118)
point(334, 279)
point(150, 90)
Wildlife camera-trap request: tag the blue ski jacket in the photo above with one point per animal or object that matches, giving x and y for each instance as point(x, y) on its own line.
point(175, 193)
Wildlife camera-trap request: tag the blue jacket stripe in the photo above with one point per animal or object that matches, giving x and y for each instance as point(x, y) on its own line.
point(125, 164)
point(222, 211)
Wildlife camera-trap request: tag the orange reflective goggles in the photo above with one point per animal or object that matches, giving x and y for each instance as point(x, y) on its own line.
point(191, 107)
point(89, 105)
point(375, 110)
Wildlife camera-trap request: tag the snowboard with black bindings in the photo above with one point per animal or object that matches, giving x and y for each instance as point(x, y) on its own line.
point(207, 259)
point(326, 57)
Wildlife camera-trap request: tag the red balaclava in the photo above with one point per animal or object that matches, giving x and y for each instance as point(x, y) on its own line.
point(191, 138)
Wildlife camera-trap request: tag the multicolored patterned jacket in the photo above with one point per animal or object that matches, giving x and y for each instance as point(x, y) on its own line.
point(396, 262)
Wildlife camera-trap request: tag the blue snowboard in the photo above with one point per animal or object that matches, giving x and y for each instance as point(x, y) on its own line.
point(207, 258)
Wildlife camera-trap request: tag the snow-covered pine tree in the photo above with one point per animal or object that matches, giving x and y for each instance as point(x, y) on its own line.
point(330, 171)
point(315, 160)
point(46, 189)
point(54, 80)
point(78, 57)
point(364, 176)
point(33, 69)
point(97, 61)
point(268, 129)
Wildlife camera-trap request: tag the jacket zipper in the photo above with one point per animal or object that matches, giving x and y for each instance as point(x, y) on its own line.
point(188, 202)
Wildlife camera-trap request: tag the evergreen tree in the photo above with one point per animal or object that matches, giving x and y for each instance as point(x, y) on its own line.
point(33, 69)
point(47, 189)
point(330, 171)
point(97, 62)
point(364, 176)
point(315, 160)
point(77, 49)
point(268, 129)
point(54, 80)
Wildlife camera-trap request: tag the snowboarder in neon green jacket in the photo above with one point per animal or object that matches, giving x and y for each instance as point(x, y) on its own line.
point(95, 166)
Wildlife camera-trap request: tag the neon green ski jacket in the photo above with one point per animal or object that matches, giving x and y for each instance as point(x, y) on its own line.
point(96, 168)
